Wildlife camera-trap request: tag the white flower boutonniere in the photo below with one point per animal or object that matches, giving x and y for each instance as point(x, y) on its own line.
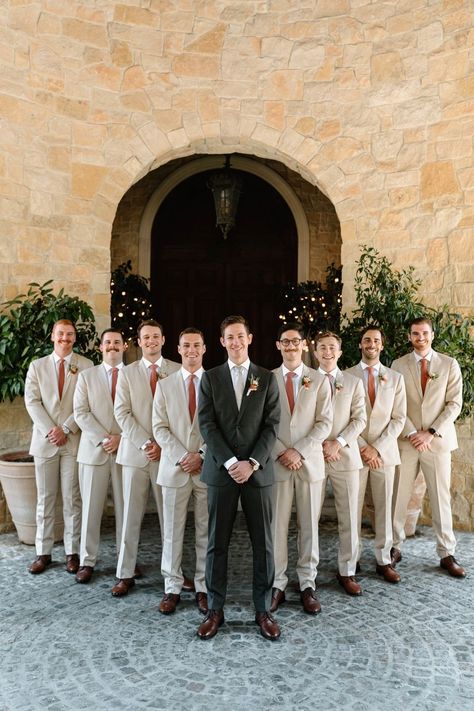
point(73, 368)
point(382, 378)
point(433, 376)
point(306, 382)
point(162, 374)
point(253, 386)
point(338, 386)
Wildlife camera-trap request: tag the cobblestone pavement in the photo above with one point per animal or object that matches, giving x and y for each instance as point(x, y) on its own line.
point(68, 646)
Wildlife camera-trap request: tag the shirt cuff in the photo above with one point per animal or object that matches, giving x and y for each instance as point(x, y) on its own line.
point(230, 462)
point(341, 441)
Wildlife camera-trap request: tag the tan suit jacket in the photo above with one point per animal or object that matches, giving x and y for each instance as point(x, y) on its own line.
point(94, 413)
point(46, 409)
point(133, 410)
point(308, 426)
point(439, 406)
point(350, 418)
point(174, 431)
point(386, 418)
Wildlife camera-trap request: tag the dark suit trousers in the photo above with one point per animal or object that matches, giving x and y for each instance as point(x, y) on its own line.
point(257, 507)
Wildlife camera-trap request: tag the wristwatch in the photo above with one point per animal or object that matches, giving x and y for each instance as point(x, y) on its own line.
point(66, 429)
point(255, 465)
point(432, 431)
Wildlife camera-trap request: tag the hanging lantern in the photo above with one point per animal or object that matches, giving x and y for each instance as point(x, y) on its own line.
point(226, 186)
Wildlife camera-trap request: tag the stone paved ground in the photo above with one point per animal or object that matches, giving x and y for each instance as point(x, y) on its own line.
point(66, 646)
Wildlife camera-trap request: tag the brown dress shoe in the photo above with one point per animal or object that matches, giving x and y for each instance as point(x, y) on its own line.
point(40, 564)
point(168, 603)
point(395, 556)
point(389, 573)
point(84, 574)
point(311, 604)
point(201, 602)
point(210, 625)
point(350, 584)
point(137, 573)
point(278, 598)
point(268, 626)
point(122, 587)
point(72, 563)
point(452, 566)
point(188, 585)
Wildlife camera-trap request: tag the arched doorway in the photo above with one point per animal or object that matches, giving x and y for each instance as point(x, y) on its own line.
point(197, 277)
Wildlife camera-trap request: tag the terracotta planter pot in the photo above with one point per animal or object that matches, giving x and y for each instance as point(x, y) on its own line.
point(17, 476)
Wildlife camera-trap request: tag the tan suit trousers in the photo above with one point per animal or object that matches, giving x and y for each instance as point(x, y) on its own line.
point(381, 485)
point(345, 485)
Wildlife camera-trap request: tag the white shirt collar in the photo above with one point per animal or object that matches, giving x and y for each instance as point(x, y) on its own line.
point(298, 371)
point(108, 367)
point(419, 357)
point(147, 363)
point(334, 372)
point(185, 373)
point(245, 365)
point(376, 367)
point(57, 358)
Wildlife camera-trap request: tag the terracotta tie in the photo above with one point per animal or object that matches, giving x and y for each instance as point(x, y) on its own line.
point(114, 382)
point(61, 376)
point(290, 391)
point(153, 377)
point(191, 397)
point(424, 374)
point(371, 385)
point(331, 382)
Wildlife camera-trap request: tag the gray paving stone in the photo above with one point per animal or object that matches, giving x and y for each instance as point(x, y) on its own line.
point(66, 646)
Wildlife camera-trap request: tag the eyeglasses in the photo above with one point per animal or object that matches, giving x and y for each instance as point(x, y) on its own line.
point(294, 341)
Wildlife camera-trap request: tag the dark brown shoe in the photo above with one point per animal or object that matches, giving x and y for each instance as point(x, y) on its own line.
point(389, 573)
point(268, 626)
point(201, 602)
point(40, 564)
point(122, 587)
point(188, 585)
point(137, 573)
point(395, 556)
point(310, 602)
point(350, 584)
point(84, 574)
point(278, 598)
point(210, 625)
point(168, 603)
point(452, 566)
point(72, 563)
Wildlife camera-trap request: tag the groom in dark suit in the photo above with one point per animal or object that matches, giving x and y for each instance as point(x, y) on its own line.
point(239, 413)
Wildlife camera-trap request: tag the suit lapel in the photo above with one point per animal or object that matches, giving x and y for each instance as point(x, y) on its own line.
point(246, 393)
point(415, 373)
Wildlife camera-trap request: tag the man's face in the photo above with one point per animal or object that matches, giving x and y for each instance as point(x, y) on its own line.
point(291, 347)
point(191, 349)
point(63, 338)
point(236, 341)
point(328, 352)
point(371, 346)
point(112, 348)
point(151, 342)
point(421, 337)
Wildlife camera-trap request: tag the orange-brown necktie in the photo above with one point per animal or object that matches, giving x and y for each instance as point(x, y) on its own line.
point(114, 382)
point(424, 374)
point(371, 385)
point(153, 377)
point(289, 390)
point(61, 376)
point(191, 397)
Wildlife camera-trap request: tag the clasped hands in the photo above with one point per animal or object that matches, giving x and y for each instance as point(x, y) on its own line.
point(371, 457)
point(421, 440)
point(241, 471)
point(191, 463)
point(56, 436)
point(291, 459)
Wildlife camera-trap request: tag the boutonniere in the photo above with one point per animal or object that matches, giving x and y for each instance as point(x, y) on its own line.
point(253, 385)
point(433, 376)
point(162, 374)
point(382, 378)
point(73, 368)
point(306, 382)
point(338, 386)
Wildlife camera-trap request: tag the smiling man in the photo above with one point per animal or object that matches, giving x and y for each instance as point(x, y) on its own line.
point(434, 401)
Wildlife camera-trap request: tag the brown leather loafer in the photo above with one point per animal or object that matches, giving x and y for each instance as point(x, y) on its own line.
point(188, 585)
point(84, 574)
point(72, 563)
point(395, 556)
point(350, 584)
point(452, 566)
point(268, 626)
point(122, 587)
point(40, 564)
point(201, 602)
point(389, 573)
point(310, 602)
point(278, 598)
point(210, 625)
point(168, 603)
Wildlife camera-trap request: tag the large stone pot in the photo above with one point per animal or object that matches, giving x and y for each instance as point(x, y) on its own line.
point(17, 476)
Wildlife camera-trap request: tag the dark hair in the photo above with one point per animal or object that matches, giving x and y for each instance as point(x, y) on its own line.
point(230, 320)
point(327, 334)
point(372, 327)
point(191, 329)
point(149, 322)
point(421, 319)
point(291, 326)
point(111, 330)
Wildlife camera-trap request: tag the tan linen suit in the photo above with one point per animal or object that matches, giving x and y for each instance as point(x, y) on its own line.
point(437, 408)
point(177, 435)
point(349, 420)
point(385, 421)
point(304, 430)
point(54, 465)
point(133, 412)
point(94, 413)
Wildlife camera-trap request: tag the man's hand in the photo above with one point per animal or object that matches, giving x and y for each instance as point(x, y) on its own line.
point(191, 463)
point(153, 452)
point(371, 457)
point(331, 449)
point(241, 472)
point(57, 437)
point(291, 459)
point(111, 444)
point(421, 440)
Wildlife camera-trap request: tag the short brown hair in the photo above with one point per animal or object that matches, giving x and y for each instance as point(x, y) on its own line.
point(111, 330)
point(190, 329)
point(327, 334)
point(421, 319)
point(372, 327)
point(230, 320)
point(149, 322)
